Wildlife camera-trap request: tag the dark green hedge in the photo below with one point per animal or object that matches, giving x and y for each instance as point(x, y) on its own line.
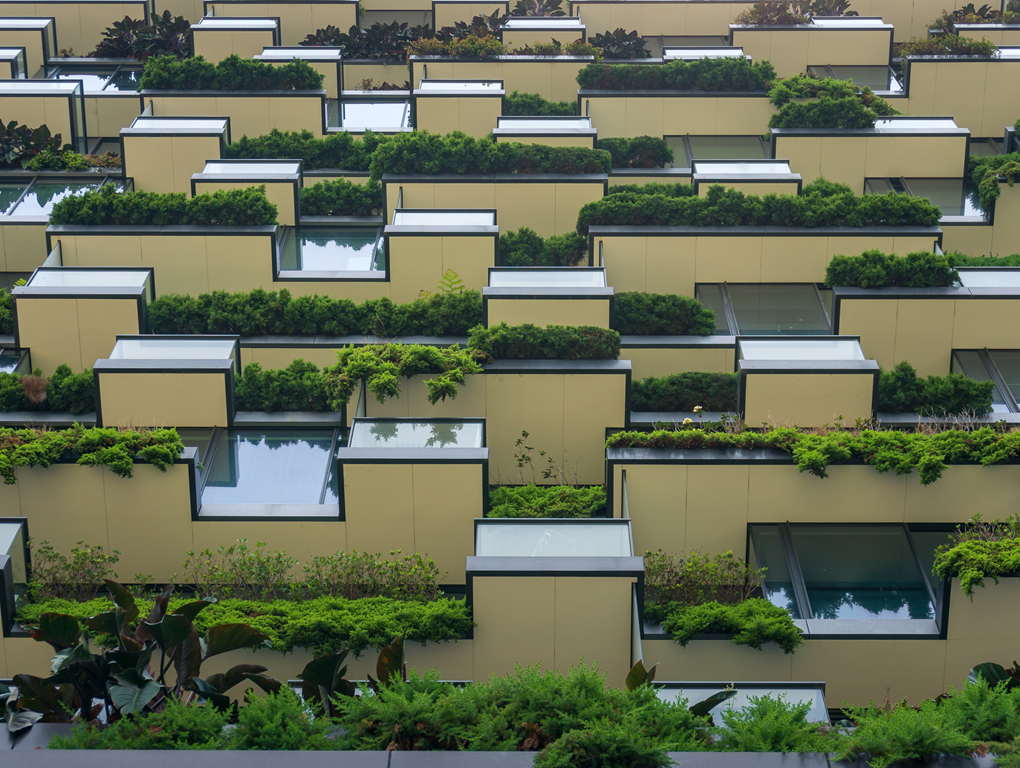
point(232, 74)
point(874, 269)
point(63, 392)
point(533, 105)
point(105, 206)
point(261, 313)
point(754, 623)
point(339, 197)
point(338, 150)
point(683, 392)
point(821, 204)
point(678, 189)
point(701, 75)
point(6, 315)
point(902, 391)
point(805, 101)
point(547, 501)
point(639, 152)
point(669, 314)
point(526, 248)
point(986, 171)
point(298, 387)
point(421, 152)
point(554, 342)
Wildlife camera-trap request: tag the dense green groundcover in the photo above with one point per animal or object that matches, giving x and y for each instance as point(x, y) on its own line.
point(324, 624)
point(547, 501)
point(702, 75)
point(885, 450)
point(524, 247)
point(901, 390)
point(753, 622)
point(64, 391)
point(231, 74)
point(554, 342)
point(683, 392)
point(667, 314)
point(6, 316)
point(532, 105)
point(806, 101)
point(875, 269)
point(340, 197)
point(973, 561)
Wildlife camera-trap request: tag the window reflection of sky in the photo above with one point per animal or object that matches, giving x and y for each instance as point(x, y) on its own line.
point(45, 194)
point(333, 250)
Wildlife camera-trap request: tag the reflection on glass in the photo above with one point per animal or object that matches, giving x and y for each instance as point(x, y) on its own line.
point(927, 543)
point(506, 538)
point(9, 359)
point(954, 197)
point(877, 78)
point(770, 554)
point(384, 115)
point(773, 310)
point(969, 363)
point(1008, 363)
point(990, 277)
point(544, 124)
point(93, 83)
point(157, 124)
point(194, 437)
point(125, 80)
point(45, 194)
point(333, 250)
point(801, 349)
point(710, 295)
point(861, 572)
point(251, 168)
point(522, 277)
point(440, 218)
point(741, 169)
point(88, 278)
point(697, 693)
point(195, 348)
point(9, 193)
point(416, 434)
point(984, 147)
point(12, 544)
point(279, 467)
point(726, 148)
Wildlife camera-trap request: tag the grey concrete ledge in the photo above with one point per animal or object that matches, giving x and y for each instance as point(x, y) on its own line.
point(300, 342)
point(364, 221)
point(711, 341)
point(495, 178)
point(46, 419)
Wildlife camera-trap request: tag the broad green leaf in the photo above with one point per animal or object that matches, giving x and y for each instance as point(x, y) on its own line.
point(123, 599)
point(989, 673)
point(230, 637)
point(702, 708)
point(266, 683)
point(192, 609)
point(58, 629)
point(210, 694)
point(19, 719)
point(325, 670)
point(133, 692)
point(224, 681)
point(391, 659)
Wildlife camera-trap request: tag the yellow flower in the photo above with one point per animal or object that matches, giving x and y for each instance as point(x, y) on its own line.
point(697, 408)
point(687, 421)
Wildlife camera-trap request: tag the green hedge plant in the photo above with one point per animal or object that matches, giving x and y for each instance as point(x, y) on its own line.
point(547, 501)
point(667, 314)
point(701, 75)
point(337, 150)
point(6, 313)
point(554, 342)
point(526, 248)
point(231, 74)
point(683, 392)
point(980, 550)
point(902, 391)
point(63, 392)
point(946, 45)
point(986, 172)
point(298, 387)
point(754, 623)
point(638, 152)
point(107, 207)
point(806, 101)
point(532, 105)
point(875, 269)
point(677, 189)
point(339, 197)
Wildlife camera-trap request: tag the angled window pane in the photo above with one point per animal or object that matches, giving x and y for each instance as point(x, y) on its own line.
point(770, 554)
point(968, 362)
point(775, 310)
point(927, 542)
point(1008, 363)
point(727, 148)
point(710, 295)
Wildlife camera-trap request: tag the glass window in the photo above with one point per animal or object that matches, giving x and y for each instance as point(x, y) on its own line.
point(801, 349)
point(9, 360)
point(954, 197)
point(722, 167)
point(969, 363)
point(195, 348)
point(771, 554)
point(333, 250)
point(877, 78)
point(861, 572)
point(439, 218)
point(416, 434)
point(467, 86)
point(89, 278)
point(927, 543)
point(525, 538)
point(279, 467)
point(43, 195)
point(1008, 363)
point(384, 115)
point(125, 80)
point(93, 83)
point(773, 310)
point(10, 191)
point(727, 148)
point(573, 277)
point(251, 168)
point(710, 295)
point(695, 693)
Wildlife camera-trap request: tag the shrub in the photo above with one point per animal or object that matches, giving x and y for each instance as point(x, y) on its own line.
point(547, 501)
point(526, 248)
point(106, 207)
point(19, 143)
point(898, 733)
point(279, 721)
point(606, 743)
point(107, 447)
point(901, 391)
point(237, 570)
point(360, 574)
point(554, 342)
point(981, 550)
point(771, 724)
point(69, 160)
point(683, 392)
point(901, 452)
point(695, 579)
point(669, 314)
point(806, 101)
point(167, 35)
point(470, 47)
point(63, 392)
point(79, 578)
point(701, 75)
point(231, 74)
point(961, 260)
point(984, 712)
point(298, 387)
point(340, 197)
point(774, 12)
point(421, 152)
point(533, 105)
point(874, 269)
point(639, 152)
point(619, 44)
point(753, 622)
point(6, 315)
point(820, 204)
point(380, 41)
point(986, 171)
point(946, 45)
point(337, 150)
point(679, 189)
point(969, 14)
point(177, 726)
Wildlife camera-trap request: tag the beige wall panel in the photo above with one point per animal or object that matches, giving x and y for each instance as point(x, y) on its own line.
point(191, 152)
point(25, 656)
point(960, 654)
point(150, 161)
point(739, 116)
point(95, 18)
point(216, 45)
point(671, 265)
point(101, 250)
point(470, 258)
point(528, 205)
point(455, 195)
point(31, 41)
point(524, 38)
point(843, 159)
point(608, 115)
point(793, 259)
point(373, 525)
point(991, 615)
point(478, 116)
point(24, 246)
point(922, 88)
point(924, 334)
point(570, 198)
point(342, 15)
point(958, 94)
point(112, 114)
point(551, 141)
point(299, 539)
point(543, 312)
point(848, 47)
point(645, 116)
point(281, 195)
point(849, 245)
point(250, 115)
point(163, 399)
point(950, 498)
point(27, 110)
point(443, 522)
point(808, 399)
point(448, 13)
point(455, 660)
point(415, 195)
point(664, 361)
point(874, 320)
point(804, 154)
point(591, 403)
point(416, 264)
point(470, 400)
point(1006, 232)
point(717, 499)
point(851, 493)
point(1001, 93)
point(99, 322)
point(436, 114)
point(516, 620)
point(239, 263)
point(909, 244)
point(593, 618)
point(180, 263)
point(988, 324)
point(65, 504)
point(908, 668)
point(729, 259)
point(717, 660)
point(163, 497)
point(916, 156)
point(694, 115)
point(627, 261)
point(516, 402)
point(49, 327)
point(657, 503)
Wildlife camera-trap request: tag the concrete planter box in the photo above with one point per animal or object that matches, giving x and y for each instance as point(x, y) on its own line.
point(251, 113)
point(162, 154)
point(217, 36)
point(551, 77)
point(451, 109)
point(674, 259)
point(298, 18)
point(79, 23)
point(999, 34)
point(38, 36)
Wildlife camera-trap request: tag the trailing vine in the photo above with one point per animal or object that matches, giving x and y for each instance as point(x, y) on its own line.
point(900, 452)
point(985, 171)
point(107, 447)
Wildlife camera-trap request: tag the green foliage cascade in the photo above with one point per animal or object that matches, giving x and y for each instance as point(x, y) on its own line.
point(6, 315)
point(701, 75)
point(105, 207)
point(533, 105)
point(666, 314)
point(683, 392)
point(638, 152)
point(339, 197)
point(806, 101)
point(753, 622)
point(946, 45)
point(554, 342)
point(168, 73)
point(298, 387)
point(902, 391)
point(986, 172)
point(547, 501)
point(63, 392)
point(526, 248)
point(890, 735)
point(874, 269)
point(973, 561)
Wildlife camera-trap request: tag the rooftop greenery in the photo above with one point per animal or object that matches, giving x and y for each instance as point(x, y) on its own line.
point(554, 342)
point(64, 391)
point(533, 105)
point(337, 150)
point(970, 14)
point(683, 392)
point(986, 172)
point(807, 101)
point(340, 197)
point(524, 247)
point(231, 74)
point(638, 152)
point(547, 501)
point(980, 550)
point(946, 45)
point(701, 75)
point(922, 269)
point(6, 316)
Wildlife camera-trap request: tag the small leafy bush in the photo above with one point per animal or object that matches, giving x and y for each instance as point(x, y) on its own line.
point(19, 143)
point(526, 248)
point(980, 550)
point(678, 189)
point(667, 314)
point(639, 152)
point(620, 44)
point(64, 391)
point(77, 578)
point(983, 712)
point(421, 152)
point(701, 75)
point(177, 726)
point(771, 724)
point(874, 269)
point(380, 41)
point(106, 207)
point(554, 342)
point(986, 171)
point(69, 160)
point(946, 45)
point(898, 733)
point(279, 721)
point(694, 579)
point(340, 197)
point(6, 315)
point(298, 387)
point(470, 47)
point(820, 204)
point(233, 73)
point(902, 391)
point(683, 392)
point(533, 105)
point(807, 101)
point(337, 150)
point(547, 501)
point(969, 14)
point(603, 743)
point(774, 12)
point(357, 575)
point(261, 313)
point(753, 622)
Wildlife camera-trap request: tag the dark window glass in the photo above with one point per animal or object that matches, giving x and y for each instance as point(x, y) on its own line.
point(772, 310)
